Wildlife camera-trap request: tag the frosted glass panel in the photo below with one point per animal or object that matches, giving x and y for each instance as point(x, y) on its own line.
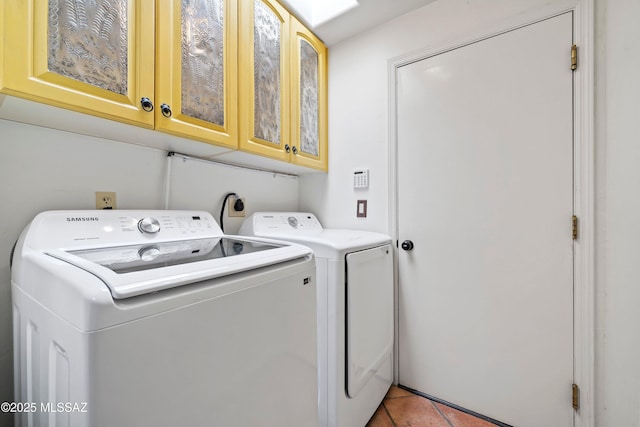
point(87, 41)
point(203, 60)
point(266, 73)
point(309, 138)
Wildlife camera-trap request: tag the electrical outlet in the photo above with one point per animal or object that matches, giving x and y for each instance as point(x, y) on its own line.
point(233, 211)
point(105, 200)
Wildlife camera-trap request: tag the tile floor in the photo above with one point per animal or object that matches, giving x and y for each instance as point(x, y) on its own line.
point(401, 408)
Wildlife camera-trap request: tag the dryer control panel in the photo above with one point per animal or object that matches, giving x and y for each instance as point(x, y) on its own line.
point(261, 222)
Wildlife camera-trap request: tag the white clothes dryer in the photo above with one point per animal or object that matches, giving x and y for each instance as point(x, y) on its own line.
point(156, 318)
point(355, 312)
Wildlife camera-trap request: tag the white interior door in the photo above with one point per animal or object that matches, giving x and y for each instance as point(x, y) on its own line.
point(485, 193)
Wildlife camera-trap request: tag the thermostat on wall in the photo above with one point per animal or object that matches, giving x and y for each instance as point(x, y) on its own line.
point(361, 178)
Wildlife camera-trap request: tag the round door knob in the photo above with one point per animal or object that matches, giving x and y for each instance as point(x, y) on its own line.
point(149, 253)
point(149, 225)
point(407, 245)
point(287, 148)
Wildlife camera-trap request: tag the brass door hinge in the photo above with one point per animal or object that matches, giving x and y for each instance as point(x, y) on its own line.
point(574, 227)
point(575, 396)
point(574, 57)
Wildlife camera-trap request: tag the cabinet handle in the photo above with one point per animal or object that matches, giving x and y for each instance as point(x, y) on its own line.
point(147, 105)
point(166, 110)
point(295, 150)
point(287, 148)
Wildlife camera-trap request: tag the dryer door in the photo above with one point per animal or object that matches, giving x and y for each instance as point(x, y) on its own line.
point(369, 316)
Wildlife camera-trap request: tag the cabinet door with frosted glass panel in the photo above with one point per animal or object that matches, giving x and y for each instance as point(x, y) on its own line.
point(93, 56)
point(264, 79)
point(196, 74)
point(308, 98)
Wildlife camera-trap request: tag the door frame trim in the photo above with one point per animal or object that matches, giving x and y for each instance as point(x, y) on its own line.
point(583, 175)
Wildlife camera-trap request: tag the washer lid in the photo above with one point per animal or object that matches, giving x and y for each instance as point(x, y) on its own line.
point(144, 268)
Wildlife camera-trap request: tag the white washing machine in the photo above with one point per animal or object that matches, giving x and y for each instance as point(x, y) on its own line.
point(155, 318)
point(355, 312)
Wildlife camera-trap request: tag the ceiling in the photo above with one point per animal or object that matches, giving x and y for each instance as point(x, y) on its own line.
point(367, 14)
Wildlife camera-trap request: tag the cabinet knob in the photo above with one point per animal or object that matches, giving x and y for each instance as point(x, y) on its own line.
point(166, 110)
point(295, 150)
point(147, 105)
point(287, 148)
point(407, 245)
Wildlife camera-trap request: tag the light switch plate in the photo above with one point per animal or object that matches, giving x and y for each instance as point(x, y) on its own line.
point(361, 209)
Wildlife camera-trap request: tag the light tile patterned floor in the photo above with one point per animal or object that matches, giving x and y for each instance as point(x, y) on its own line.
point(401, 408)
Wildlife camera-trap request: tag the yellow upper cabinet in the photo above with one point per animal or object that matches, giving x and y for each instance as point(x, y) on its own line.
point(235, 73)
point(308, 98)
point(264, 79)
point(196, 71)
point(169, 65)
point(91, 56)
point(282, 89)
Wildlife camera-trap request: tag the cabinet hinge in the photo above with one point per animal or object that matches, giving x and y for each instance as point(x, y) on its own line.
point(575, 396)
point(574, 227)
point(574, 57)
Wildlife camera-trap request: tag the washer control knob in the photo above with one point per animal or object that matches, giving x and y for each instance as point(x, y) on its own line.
point(293, 221)
point(149, 253)
point(149, 225)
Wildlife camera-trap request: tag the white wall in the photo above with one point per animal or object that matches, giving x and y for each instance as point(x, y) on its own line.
point(43, 169)
point(196, 183)
point(358, 135)
point(618, 212)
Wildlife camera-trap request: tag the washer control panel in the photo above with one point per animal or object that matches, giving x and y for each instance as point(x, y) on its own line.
point(115, 227)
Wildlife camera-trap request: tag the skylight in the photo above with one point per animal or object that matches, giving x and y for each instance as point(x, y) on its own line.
point(317, 12)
